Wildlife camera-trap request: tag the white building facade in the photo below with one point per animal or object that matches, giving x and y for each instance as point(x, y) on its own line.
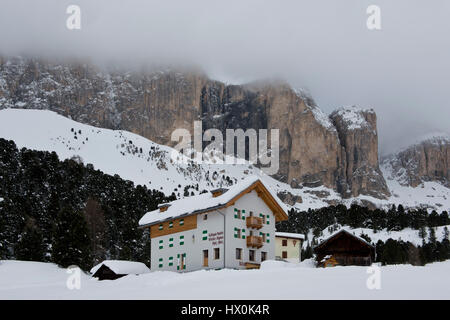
point(226, 229)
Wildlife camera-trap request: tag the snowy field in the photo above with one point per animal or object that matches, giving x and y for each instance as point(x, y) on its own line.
point(276, 280)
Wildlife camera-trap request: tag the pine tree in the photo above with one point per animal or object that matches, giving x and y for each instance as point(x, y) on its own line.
point(30, 246)
point(446, 233)
point(422, 233)
point(95, 220)
point(432, 235)
point(71, 243)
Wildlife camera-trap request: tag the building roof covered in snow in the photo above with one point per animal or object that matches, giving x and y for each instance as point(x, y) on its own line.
point(290, 235)
point(339, 232)
point(211, 201)
point(122, 267)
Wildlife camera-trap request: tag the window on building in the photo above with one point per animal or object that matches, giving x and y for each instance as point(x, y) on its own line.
point(171, 224)
point(263, 235)
point(205, 235)
point(284, 243)
point(181, 222)
point(251, 255)
point(160, 227)
point(251, 213)
point(205, 217)
point(216, 253)
point(284, 254)
point(238, 254)
point(263, 256)
point(238, 231)
point(238, 214)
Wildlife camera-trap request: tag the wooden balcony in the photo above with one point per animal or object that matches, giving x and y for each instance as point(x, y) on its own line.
point(254, 222)
point(254, 242)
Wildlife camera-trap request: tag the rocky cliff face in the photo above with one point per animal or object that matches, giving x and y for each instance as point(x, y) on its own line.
point(428, 160)
point(340, 152)
point(360, 174)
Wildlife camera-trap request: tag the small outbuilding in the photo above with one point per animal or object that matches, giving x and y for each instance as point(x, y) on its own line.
point(344, 248)
point(114, 269)
point(288, 246)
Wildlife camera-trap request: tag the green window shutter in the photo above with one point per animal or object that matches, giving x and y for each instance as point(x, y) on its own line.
point(171, 224)
point(161, 244)
point(160, 227)
point(243, 233)
point(268, 238)
point(205, 235)
point(181, 240)
point(182, 222)
point(170, 261)
point(171, 242)
point(235, 212)
point(268, 218)
point(160, 263)
point(243, 214)
point(235, 232)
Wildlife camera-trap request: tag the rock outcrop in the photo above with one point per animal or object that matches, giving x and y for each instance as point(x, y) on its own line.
point(428, 160)
point(314, 149)
point(357, 130)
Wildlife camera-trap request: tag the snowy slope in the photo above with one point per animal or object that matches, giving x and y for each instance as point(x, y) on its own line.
point(144, 162)
point(275, 280)
point(133, 157)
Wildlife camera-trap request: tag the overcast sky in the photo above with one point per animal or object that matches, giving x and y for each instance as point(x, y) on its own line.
point(401, 71)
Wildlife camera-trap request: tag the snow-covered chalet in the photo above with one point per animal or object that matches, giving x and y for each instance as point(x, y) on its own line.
point(224, 228)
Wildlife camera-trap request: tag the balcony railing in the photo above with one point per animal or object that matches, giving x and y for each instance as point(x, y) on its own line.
point(254, 242)
point(254, 222)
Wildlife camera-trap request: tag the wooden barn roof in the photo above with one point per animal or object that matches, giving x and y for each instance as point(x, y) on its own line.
point(338, 233)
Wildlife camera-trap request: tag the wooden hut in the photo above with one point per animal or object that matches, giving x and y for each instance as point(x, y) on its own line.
point(115, 269)
point(344, 248)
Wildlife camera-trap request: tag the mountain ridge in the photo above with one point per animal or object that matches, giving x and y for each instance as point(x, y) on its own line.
point(153, 104)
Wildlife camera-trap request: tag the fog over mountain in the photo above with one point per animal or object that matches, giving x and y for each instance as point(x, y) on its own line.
point(324, 46)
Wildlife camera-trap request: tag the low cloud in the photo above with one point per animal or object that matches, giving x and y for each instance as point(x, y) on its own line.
point(402, 71)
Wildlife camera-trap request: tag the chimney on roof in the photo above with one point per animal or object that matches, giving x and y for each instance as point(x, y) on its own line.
point(163, 207)
point(218, 192)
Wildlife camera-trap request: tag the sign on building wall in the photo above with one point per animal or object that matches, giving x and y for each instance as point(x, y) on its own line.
point(216, 238)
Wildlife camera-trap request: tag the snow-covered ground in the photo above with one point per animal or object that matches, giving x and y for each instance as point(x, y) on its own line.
point(277, 280)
